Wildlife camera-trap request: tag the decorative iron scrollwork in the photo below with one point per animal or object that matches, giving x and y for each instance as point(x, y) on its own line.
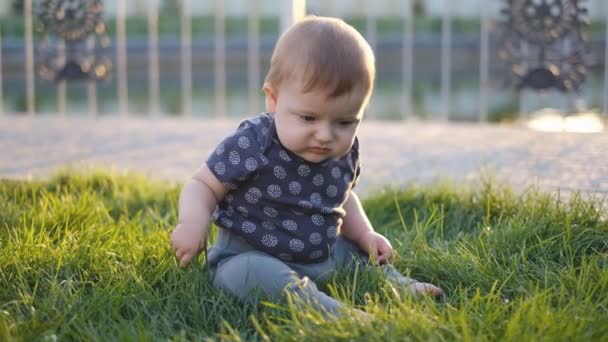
point(73, 40)
point(544, 43)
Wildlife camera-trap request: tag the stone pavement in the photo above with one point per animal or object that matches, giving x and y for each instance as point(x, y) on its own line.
point(392, 153)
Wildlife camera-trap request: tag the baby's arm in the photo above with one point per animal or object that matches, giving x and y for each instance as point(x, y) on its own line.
point(197, 201)
point(357, 228)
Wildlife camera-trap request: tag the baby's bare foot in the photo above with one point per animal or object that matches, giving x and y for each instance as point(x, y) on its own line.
point(421, 289)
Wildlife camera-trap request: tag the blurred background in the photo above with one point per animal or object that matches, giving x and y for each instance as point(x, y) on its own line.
point(436, 59)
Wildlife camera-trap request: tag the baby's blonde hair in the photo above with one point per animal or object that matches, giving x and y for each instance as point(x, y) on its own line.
point(323, 53)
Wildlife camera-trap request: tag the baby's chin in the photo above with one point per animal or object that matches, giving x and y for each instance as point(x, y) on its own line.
point(314, 157)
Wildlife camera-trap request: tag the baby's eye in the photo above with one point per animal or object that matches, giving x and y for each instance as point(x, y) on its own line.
point(307, 118)
point(346, 123)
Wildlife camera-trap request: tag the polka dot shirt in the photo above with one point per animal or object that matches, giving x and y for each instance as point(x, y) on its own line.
point(278, 202)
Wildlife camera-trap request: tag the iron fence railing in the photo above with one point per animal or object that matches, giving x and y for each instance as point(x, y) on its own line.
point(288, 12)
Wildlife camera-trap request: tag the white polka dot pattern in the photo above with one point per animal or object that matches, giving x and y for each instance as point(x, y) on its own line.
point(269, 240)
point(248, 227)
point(253, 195)
point(272, 212)
point(295, 188)
point(220, 168)
point(316, 254)
point(230, 186)
point(336, 173)
point(315, 238)
point(318, 179)
point(279, 204)
point(274, 191)
point(244, 142)
point(268, 225)
point(234, 157)
point(243, 211)
point(331, 232)
point(305, 204)
point(279, 172)
point(317, 219)
point(283, 155)
point(220, 149)
point(226, 223)
point(251, 164)
point(296, 245)
point(290, 225)
point(303, 170)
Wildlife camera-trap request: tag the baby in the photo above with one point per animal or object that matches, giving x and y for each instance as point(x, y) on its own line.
point(280, 188)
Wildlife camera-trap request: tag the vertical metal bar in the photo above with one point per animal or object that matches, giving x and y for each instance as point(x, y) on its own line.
point(484, 58)
point(186, 54)
point(446, 42)
point(121, 56)
point(606, 65)
point(91, 85)
point(253, 57)
point(220, 59)
point(1, 78)
point(408, 58)
point(62, 86)
point(153, 64)
point(29, 58)
point(291, 12)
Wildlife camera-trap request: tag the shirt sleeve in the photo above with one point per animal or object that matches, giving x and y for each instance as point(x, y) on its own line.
point(236, 158)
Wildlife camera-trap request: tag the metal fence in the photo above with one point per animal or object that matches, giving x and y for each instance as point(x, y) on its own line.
point(287, 12)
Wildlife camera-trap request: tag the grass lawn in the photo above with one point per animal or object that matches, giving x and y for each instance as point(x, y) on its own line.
point(86, 257)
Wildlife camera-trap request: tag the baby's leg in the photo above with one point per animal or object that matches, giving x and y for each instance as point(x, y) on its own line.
point(348, 256)
point(243, 274)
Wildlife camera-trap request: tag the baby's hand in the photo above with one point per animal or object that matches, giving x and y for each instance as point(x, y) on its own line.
point(187, 241)
point(377, 247)
point(419, 289)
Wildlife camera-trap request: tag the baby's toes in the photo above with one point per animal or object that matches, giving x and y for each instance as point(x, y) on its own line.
point(420, 289)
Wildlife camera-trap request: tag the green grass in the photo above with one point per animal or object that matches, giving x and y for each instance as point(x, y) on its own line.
point(85, 256)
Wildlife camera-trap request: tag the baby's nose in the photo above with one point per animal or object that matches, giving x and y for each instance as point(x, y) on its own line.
point(324, 133)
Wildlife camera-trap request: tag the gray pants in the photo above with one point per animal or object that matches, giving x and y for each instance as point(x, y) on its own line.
point(242, 270)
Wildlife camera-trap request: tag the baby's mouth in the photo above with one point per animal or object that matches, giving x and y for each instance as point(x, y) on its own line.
point(319, 150)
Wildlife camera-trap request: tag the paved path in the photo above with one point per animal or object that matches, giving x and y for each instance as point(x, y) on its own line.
point(392, 153)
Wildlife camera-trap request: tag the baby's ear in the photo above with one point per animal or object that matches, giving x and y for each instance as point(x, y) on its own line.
point(271, 97)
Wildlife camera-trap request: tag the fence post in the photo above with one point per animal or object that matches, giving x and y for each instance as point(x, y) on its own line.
point(186, 56)
point(253, 57)
point(484, 57)
point(1, 78)
point(29, 58)
point(408, 53)
point(446, 42)
point(121, 56)
point(219, 59)
point(291, 12)
point(606, 65)
point(153, 64)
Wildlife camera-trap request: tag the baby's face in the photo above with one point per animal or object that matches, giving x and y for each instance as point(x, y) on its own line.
point(312, 126)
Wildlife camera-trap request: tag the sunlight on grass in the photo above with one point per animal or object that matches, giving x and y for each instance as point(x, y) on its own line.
point(86, 257)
